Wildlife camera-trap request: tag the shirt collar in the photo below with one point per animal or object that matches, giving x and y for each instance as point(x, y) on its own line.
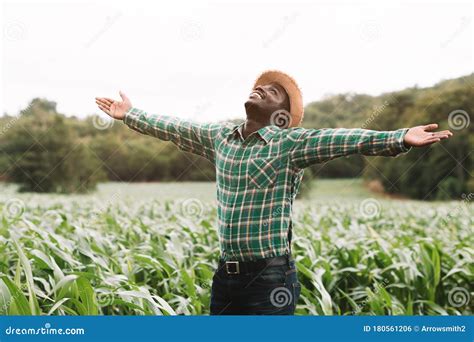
point(266, 133)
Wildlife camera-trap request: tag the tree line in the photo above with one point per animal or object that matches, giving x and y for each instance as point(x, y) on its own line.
point(46, 151)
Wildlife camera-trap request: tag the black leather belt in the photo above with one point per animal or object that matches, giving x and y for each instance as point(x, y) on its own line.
point(237, 267)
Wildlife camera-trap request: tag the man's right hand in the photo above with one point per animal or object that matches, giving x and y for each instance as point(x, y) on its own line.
point(113, 108)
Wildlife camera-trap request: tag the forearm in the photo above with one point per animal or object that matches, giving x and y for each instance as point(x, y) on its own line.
point(312, 146)
point(160, 126)
point(380, 143)
point(189, 136)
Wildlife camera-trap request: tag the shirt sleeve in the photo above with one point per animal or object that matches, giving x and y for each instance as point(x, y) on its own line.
point(311, 146)
point(189, 136)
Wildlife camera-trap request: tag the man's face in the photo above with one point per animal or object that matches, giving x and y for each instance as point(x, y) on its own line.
point(266, 100)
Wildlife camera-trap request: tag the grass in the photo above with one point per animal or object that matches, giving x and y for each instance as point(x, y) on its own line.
point(145, 249)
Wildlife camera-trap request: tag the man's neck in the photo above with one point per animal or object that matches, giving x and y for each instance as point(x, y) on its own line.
point(251, 126)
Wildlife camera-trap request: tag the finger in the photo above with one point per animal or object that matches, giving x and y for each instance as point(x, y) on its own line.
point(103, 103)
point(446, 132)
point(104, 109)
point(441, 135)
point(102, 99)
point(430, 127)
point(123, 96)
point(430, 141)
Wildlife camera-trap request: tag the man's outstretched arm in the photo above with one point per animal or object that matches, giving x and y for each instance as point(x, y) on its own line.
point(311, 146)
point(189, 136)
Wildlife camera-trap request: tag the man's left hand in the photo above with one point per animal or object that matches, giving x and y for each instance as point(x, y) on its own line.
point(423, 135)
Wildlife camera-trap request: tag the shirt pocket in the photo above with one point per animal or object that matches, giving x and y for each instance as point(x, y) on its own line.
point(262, 172)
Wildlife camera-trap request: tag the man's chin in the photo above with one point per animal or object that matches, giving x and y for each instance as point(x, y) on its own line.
point(252, 105)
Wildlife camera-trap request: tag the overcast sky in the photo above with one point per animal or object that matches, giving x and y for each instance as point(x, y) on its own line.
point(198, 59)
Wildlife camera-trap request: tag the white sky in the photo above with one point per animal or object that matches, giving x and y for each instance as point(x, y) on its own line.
point(198, 59)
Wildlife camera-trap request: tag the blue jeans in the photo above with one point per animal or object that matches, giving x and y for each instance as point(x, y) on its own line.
point(272, 291)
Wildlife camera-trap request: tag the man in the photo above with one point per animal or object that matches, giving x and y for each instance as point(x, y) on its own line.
point(259, 166)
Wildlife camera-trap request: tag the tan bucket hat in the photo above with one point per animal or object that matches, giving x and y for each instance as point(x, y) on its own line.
point(292, 89)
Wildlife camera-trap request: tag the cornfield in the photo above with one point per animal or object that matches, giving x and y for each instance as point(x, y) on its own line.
point(90, 255)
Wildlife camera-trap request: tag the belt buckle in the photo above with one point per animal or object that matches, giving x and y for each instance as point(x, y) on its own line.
point(237, 268)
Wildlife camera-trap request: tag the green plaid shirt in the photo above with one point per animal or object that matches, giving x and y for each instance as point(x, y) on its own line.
point(259, 177)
